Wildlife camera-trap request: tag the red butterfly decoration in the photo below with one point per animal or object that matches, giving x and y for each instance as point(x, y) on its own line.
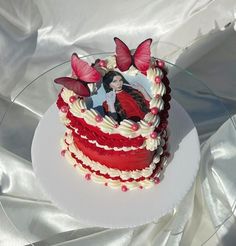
point(83, 74)
point(140, 59)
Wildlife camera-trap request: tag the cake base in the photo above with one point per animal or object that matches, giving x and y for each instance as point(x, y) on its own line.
point(99, 205)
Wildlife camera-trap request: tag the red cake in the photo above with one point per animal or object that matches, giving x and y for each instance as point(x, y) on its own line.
point(121, 143)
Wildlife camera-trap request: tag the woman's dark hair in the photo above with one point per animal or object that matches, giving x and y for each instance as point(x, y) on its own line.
point(108, 78)
point(137, 96)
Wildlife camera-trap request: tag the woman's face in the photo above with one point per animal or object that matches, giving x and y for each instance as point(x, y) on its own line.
point(117, 83)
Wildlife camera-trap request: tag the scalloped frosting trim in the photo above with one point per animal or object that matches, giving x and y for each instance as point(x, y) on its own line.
point(63, 119)
point(112, 148)
point(116, 184)
point(68, 144)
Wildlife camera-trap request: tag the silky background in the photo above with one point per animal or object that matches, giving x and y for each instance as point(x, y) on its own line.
point(195, 35)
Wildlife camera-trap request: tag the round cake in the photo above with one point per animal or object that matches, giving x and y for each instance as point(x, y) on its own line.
point(121, 141)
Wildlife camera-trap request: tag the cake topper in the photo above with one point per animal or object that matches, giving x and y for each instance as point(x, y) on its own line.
point(140, 59)
point(82, 73)
point(124, 100)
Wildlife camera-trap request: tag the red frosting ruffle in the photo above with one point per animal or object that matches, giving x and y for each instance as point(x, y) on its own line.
point(107, 176)
point(122, 160)
point(94, 133)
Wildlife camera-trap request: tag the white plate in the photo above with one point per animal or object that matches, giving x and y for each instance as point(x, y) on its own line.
point(99, 205)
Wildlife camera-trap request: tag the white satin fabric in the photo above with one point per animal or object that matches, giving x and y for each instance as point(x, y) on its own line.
point(36, 36)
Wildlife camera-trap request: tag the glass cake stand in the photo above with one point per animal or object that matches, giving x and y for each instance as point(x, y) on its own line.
point(20, 122)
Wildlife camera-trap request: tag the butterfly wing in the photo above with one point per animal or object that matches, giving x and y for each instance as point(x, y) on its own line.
point(78, 87)
point(142, 55)
point(83, 70)
point(123, 55)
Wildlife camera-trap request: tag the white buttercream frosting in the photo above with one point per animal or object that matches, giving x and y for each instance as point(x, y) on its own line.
point(67, 94)
point(108, 124)
point(90, 117)
point(158, 89)
point(112, 148)
point(153, 119)
point(125, 129)
point(157, 103)
point(152, 144)
point(76, 108)
point(145, 128)
point(64, 120)
point(153, 72)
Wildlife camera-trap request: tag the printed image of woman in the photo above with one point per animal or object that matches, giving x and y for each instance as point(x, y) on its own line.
point(123, 100)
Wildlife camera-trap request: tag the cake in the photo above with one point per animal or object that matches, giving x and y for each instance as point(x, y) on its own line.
point(123, 141)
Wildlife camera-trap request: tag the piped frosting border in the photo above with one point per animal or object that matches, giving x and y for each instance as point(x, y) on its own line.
point(69, 151)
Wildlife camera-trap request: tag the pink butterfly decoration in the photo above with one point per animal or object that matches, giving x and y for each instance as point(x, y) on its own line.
point(82, 73)
point(140, 59)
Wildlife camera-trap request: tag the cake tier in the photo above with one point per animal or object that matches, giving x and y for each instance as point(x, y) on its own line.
point(122, 159)
point(114, 178)
point(93, 133)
